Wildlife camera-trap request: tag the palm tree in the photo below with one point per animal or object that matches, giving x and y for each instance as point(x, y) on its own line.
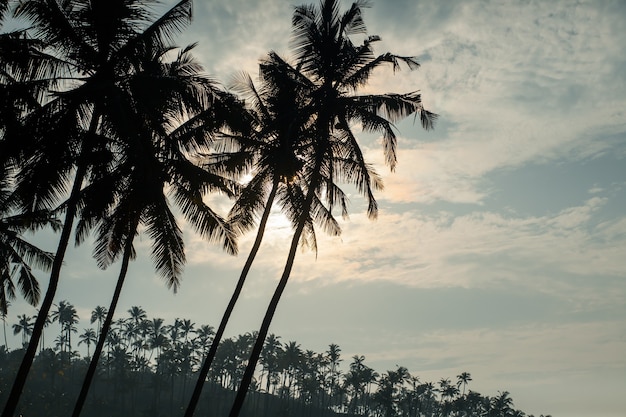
point(501, 405)
point(67, 317)
point(334, 353)
point(24, 326)
point(204, 336)
point(157, 338)
point(274, 121)
point(137, 316)
point(463, 379)
point(290, 359)
point(99, 40)
point(154, 159)
point(337, 68)
point(98, 314)
point(3, 316)
point(88, 337)
point(357, 381)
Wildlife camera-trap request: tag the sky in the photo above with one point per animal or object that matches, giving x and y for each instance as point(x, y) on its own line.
point(500, 243)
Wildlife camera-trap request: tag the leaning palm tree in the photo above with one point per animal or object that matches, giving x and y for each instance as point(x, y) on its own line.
point(268, 146)
point(98, 41)
point(152, 140)
point(337, 67)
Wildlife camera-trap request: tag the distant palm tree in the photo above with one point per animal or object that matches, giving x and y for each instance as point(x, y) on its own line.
point(270, 359)
point(3, 316)
point(334, 353)
point(98, 314)
point(501, 405)
point(463, 379)
point(291, 359)
point(67, 317)
point(337, 68)
point(204, 336)
point(88, 337)
point(157, 339)
point(24, 326)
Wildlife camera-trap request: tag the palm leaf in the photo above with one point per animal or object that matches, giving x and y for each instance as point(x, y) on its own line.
point(167, 251)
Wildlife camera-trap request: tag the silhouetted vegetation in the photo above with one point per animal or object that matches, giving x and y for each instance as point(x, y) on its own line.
point(148, 368)
point(107, 124)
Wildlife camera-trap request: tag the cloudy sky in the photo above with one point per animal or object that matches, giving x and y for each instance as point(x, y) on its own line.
point(500, 244)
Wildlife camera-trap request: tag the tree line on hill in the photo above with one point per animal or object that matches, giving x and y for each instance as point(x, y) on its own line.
point(149, 367)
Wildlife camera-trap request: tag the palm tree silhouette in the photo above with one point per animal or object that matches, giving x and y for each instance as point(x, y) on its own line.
point(3, 316)
point(153, 160)
point(67, 317)
point(24, 326)
point(98, 41)
point(337, 68)
point(501, 405)
point(463, 379)
point(88, 337)
point(268, 145)
point(98, 314)
point(270, 356)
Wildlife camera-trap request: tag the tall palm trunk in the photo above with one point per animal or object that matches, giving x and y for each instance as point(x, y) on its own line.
point(271, 309)
point(4, 330)
point(27, 360)
point(84, 390)
point(195, 397)
point(55, 273)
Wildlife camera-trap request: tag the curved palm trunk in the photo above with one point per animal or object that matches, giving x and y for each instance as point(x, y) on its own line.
point(204, 371)
point(271, 309)
point(82, 396)
point(55, 272)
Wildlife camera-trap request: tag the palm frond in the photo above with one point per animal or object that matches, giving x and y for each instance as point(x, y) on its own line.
point(250, 201)
point(167, 251)
point(209, 224)
point(27, 284)
point(23, 253)
point(53, 22)
point(352, 20)
point(163, 30)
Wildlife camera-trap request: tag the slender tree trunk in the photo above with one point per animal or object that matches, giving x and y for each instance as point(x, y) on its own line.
point(204, 371)
point(4, 329)
point(269, 314)
point(82, 396)
point(55, 272)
